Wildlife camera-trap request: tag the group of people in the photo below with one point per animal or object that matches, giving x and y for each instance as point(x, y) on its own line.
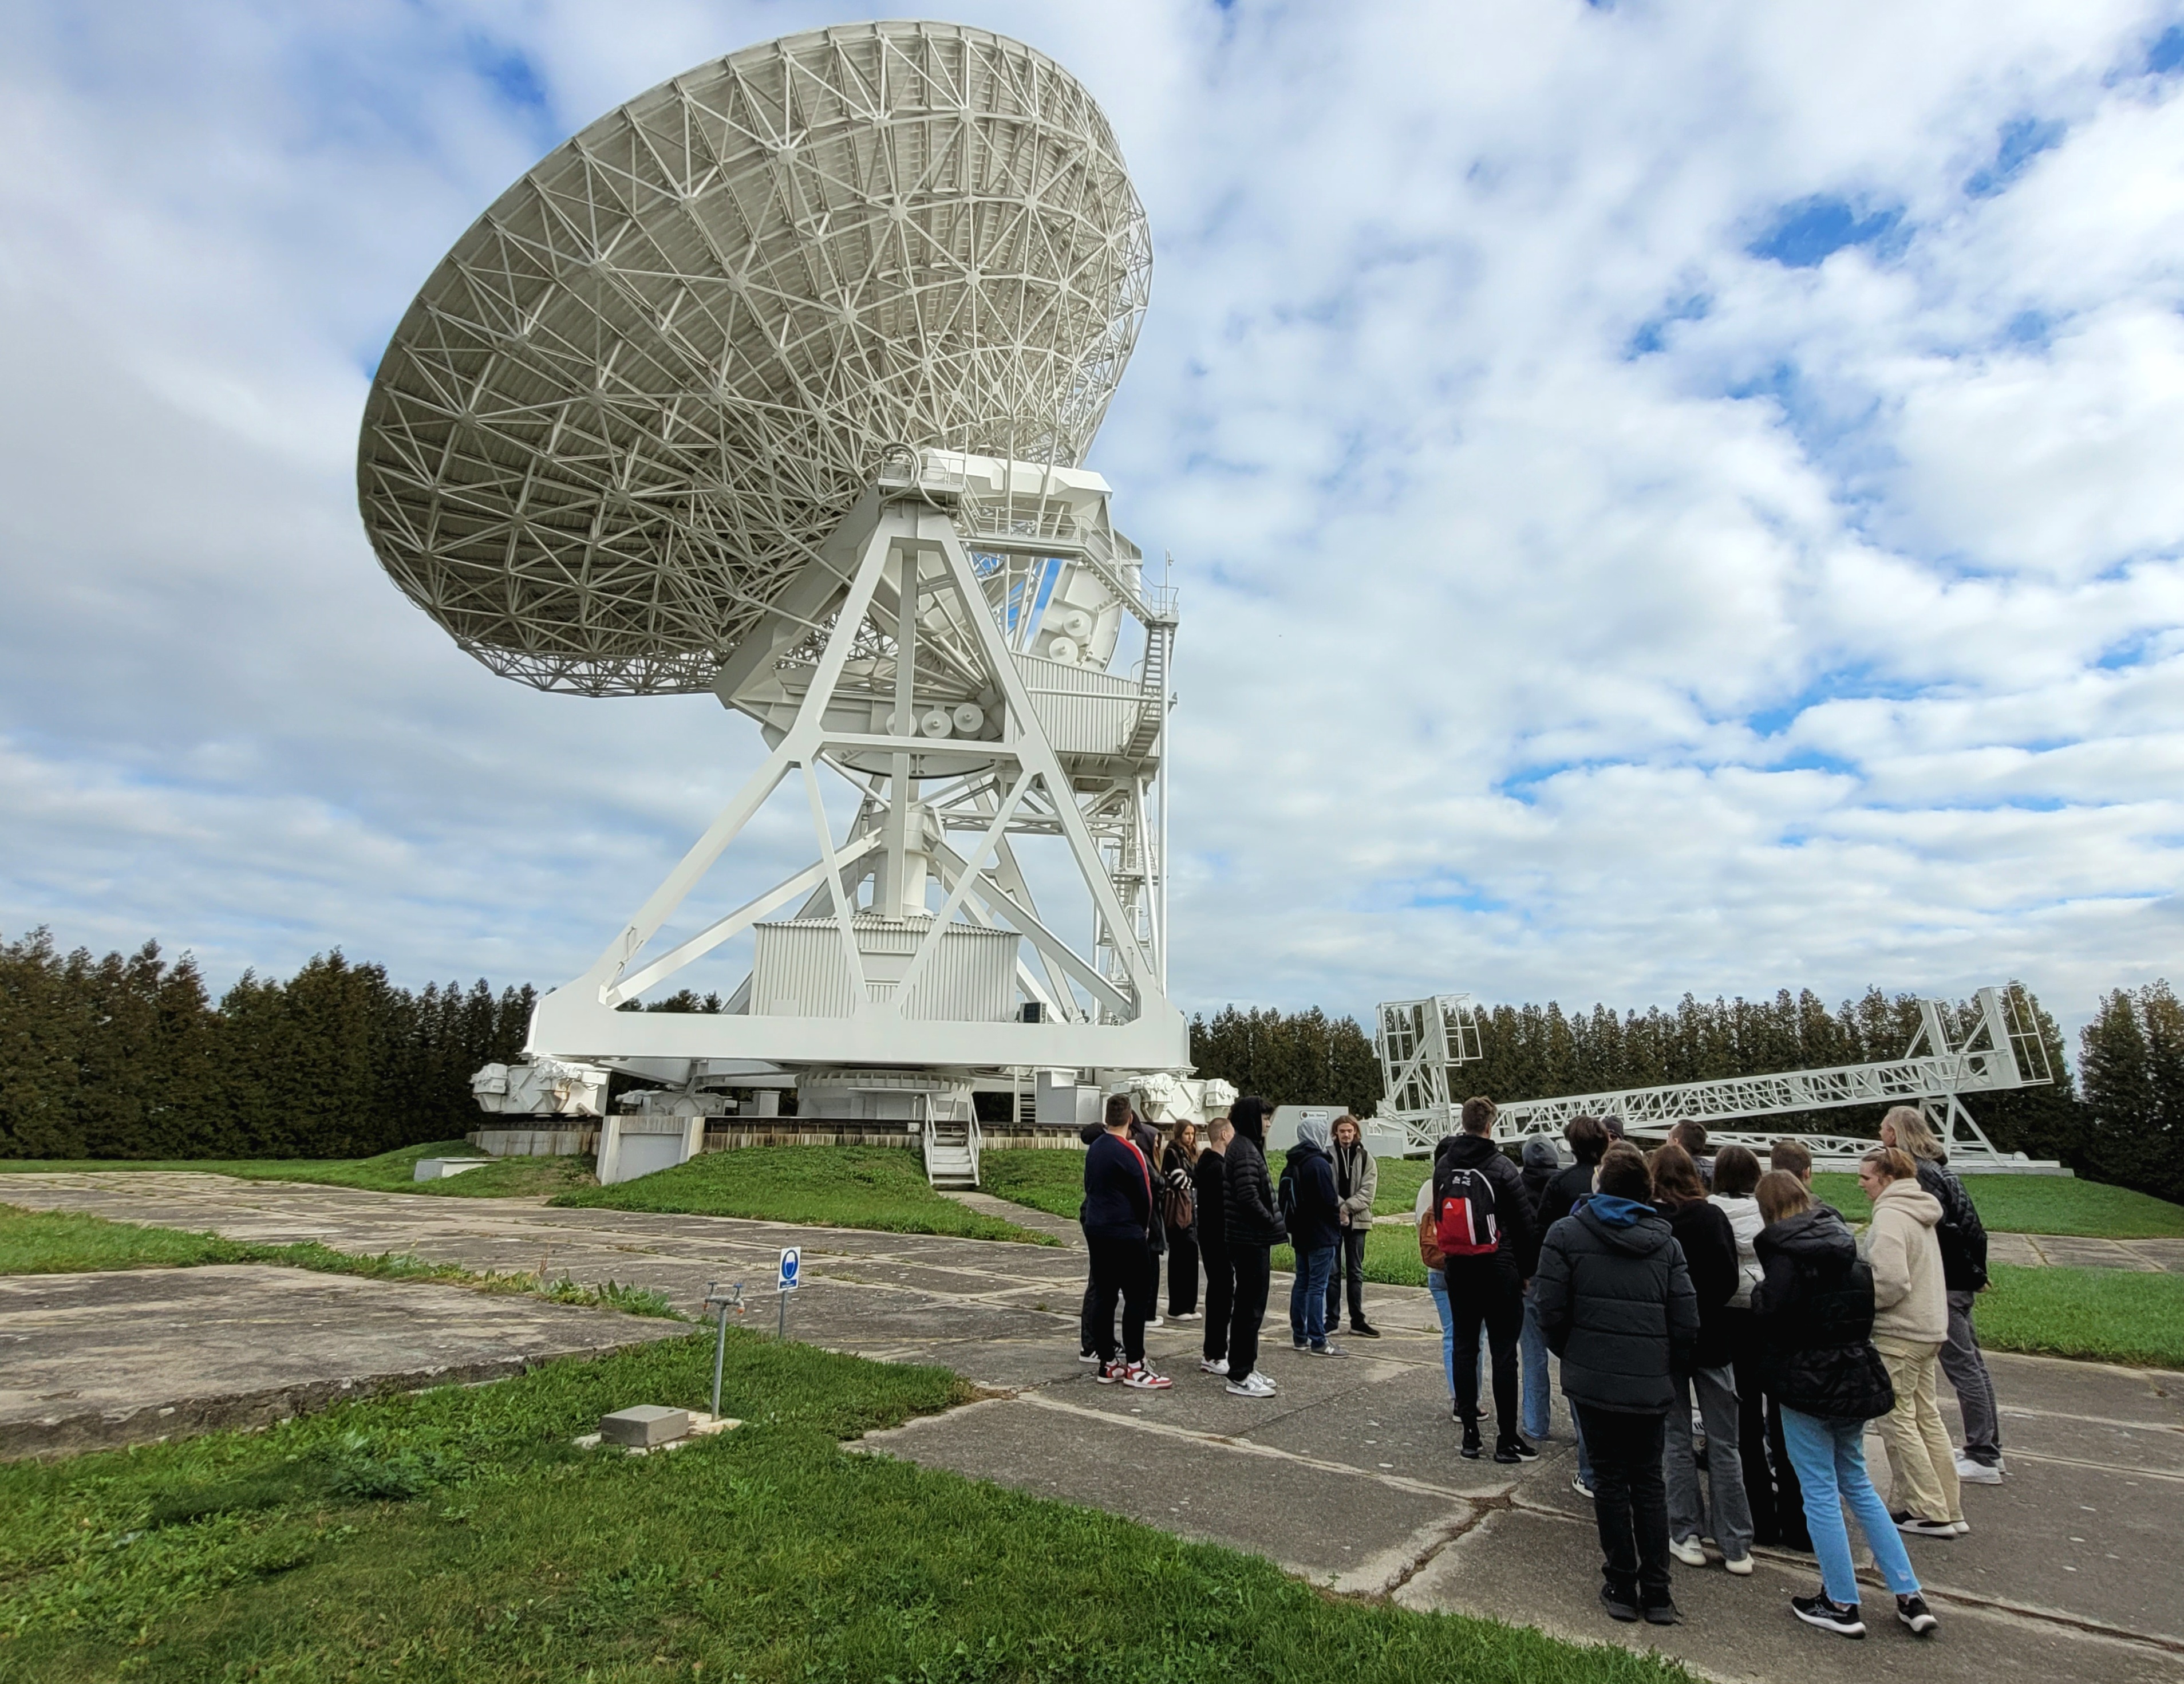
point(1212, 1203)
point(1723, 1337)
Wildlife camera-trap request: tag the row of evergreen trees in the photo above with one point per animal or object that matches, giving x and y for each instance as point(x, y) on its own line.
point(2127, 1126)
point(128, 1056)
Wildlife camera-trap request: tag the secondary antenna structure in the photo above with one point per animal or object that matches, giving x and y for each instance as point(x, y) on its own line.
point(774, 383)
point(1423, 1043)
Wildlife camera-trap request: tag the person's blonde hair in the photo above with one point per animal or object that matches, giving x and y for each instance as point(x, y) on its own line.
point(1893, 1162)
point(1914, 1133)
point(1781, 1194)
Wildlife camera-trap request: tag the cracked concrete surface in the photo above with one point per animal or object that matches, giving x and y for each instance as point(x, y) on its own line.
point(2074, 1570)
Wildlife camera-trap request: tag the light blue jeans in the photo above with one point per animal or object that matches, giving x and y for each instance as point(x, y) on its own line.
point(1308, 1294)
point(1538, 1408)
point(1830, 1457)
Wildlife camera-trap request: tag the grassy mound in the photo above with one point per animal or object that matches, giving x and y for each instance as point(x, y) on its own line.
point(877, 1187)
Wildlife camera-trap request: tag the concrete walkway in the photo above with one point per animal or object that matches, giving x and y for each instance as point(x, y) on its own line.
point(2069, 1250)
point(2074, 1571)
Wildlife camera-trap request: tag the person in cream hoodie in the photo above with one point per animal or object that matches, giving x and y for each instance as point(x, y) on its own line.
point(1910, 1321)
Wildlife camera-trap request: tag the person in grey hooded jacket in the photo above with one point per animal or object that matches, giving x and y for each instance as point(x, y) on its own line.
point(1615, 1300)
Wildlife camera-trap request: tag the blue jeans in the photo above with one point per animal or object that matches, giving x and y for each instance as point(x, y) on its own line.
point(1830, 1457)
point(1532, 1347)
point(1308, 1294)
point(1437, 1284)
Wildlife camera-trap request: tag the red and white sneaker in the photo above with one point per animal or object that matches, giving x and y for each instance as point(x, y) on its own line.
point(1109, 1373)
point(1140, 1378)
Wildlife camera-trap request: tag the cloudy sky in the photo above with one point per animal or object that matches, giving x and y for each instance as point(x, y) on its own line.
point(1666, 496)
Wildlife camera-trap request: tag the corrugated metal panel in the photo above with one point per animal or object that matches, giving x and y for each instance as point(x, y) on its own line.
point(1082, 710)
point(797, 969)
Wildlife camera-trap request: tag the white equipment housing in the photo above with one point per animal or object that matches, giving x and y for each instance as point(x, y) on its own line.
point(1421, 1043)
point(541, 1087)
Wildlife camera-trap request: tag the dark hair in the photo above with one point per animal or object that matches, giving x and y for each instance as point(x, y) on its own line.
point(1675, 1177)
point(1735, 1172)
point(1622, 1174)
point(1791, 1155)
point(1118, 1112)
point(1781, 1194)
point(1690, 1136)
point(1478, 1114)
point(1615, 1127)
point(1587, 1137)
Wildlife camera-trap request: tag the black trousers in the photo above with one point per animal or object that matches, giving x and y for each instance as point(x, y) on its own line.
point(1121, 1268)
point(1220, 1298)
point(1631, 1501)
point(1254, 1270)
point(1789, 1494)
point(1182, 1271)
point(1774, 1522)
point(1486, 1292)
point(1350, 1266)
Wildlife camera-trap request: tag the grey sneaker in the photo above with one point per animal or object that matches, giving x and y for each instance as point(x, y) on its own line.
point(1325, 1350)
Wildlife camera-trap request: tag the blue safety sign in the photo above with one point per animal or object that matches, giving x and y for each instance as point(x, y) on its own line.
point(791, 1261)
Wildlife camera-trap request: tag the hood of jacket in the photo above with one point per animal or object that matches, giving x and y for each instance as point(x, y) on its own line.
point(1304, 1148)
point(1466, 1152)
point(1249, 1115)
point(1313, 1132)
point(1816, 1236)
point(1541, 1155)
point(1625, 1224)
point(1907, 1198)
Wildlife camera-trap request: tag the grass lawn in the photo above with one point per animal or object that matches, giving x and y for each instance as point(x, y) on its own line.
point(881, 1187)
point(2107, 1315)
point(68, 1242)
point(2039, 1204)
point(390, 1172)
point(457, 1535)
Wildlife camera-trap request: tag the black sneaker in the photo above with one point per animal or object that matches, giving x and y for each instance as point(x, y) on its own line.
point(1364, 1330)
point(1841, 1617)
point(1471, 1446)
point(1619, 1607)
point(1514, 1449)
point(1913, 1611)
point(1663, 1613)
point(1918, 1527)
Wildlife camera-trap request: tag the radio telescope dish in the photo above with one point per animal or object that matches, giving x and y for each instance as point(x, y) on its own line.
point(631, 402)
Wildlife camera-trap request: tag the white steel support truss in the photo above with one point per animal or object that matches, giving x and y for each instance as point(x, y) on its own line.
point(1421, 1043)
point(900, 612)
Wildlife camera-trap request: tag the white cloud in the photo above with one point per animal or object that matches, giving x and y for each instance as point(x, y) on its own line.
point(1514, 659)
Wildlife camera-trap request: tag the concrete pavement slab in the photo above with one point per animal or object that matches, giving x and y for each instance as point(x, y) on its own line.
point(1542, 1570)
point(128, 1356)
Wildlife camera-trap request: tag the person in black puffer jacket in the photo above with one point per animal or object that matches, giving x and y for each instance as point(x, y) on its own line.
point(1709, 1244)
point(1963, 1236)
point(1208, 1176)
point(1614, 1299)
point(1252, 1228)
point(1814, 1313)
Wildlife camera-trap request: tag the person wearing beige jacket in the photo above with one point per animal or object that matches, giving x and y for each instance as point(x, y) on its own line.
point(1910, 1321)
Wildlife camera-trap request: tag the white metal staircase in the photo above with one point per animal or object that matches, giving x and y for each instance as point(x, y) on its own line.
point(951, 1154)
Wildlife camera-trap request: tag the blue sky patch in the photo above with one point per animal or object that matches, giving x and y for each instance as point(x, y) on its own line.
point(2167, 52)
point(1807, 233)
point(2019, 143)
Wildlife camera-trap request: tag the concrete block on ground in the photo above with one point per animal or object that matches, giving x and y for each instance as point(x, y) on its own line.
point(439, 1168)
point(644, 1426)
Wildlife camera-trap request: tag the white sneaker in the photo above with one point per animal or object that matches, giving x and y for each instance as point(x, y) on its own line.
point(1087, 1356)
point(1742, 1566)
point(1140, 1378)
point(1972, 1472)
point(1688, 1550)
point(1253, 1384)
point(1963, 1527)
point(1188, 1315)
point(1213, 1365)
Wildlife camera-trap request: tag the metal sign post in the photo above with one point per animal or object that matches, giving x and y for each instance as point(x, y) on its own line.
point(722, 1304)
point(792, 1264)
